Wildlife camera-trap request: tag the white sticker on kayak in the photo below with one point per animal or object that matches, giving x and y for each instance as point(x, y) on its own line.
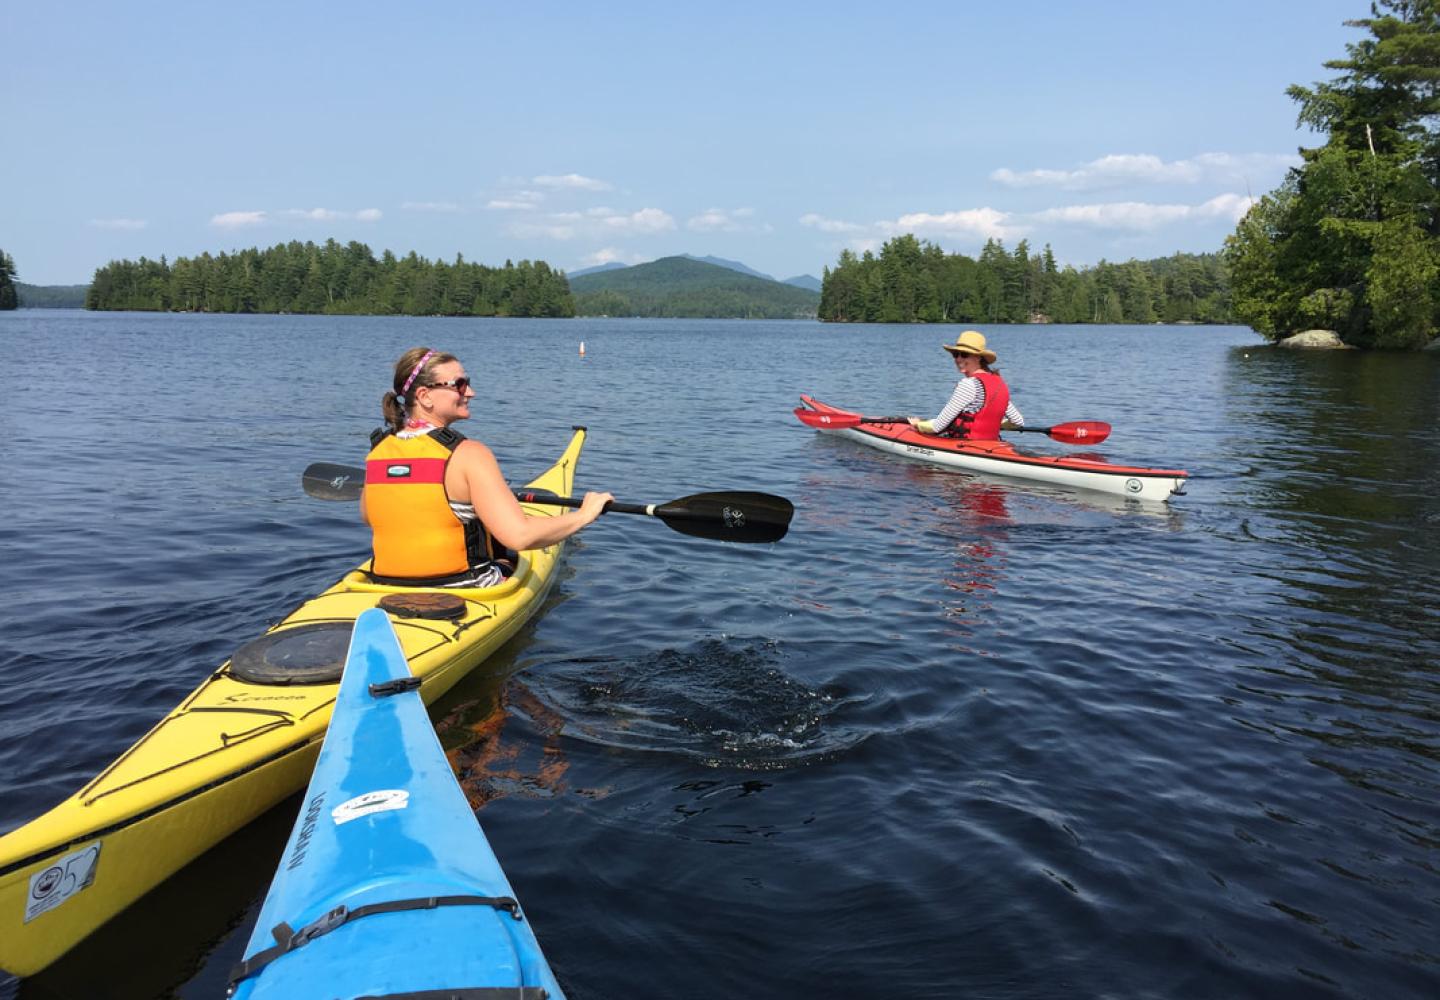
point(56, 883)
point(370, 802)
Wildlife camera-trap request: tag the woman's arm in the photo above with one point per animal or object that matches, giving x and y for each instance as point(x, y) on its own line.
point(968, 397)
point(477, 474)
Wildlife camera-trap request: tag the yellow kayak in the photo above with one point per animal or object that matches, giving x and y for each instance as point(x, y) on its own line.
point(245, 739)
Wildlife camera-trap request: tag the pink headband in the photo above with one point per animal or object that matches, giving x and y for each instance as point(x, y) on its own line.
point(413, 372)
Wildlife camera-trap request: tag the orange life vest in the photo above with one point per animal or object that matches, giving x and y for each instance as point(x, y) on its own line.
point(415, 535)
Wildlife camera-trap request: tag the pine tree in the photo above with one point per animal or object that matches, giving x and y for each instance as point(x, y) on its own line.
point(1351, 240)
point(8, 298)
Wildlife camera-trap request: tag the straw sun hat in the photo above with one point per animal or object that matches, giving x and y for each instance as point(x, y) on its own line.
point(971, 342)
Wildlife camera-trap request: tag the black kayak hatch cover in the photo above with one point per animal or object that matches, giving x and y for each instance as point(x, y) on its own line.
point(306, 654)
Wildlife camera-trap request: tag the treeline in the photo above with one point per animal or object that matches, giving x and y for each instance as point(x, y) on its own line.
point(706, 304)
point(1351, 241)
point(299, 277)
point(51, 296)
point(915, 282)
point(8, 298)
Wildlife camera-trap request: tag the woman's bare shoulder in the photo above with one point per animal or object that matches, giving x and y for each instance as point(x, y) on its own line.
point(471, 451)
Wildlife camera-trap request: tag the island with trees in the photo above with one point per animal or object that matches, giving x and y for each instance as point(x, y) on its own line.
point(914, 282)
point(1350, 242)
point(331, 278)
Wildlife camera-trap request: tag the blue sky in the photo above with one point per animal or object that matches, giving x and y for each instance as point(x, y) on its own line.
point(579, 133)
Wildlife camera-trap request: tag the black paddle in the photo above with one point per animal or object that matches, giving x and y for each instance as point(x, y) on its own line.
point(736, 516)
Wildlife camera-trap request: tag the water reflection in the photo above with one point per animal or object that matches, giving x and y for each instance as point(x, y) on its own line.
point(1341, 497)
point(976, 520)
point(1344, 434)
point(488, 763)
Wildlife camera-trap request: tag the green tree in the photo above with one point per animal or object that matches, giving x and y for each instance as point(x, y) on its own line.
point(8, 298)
point(1350, 241)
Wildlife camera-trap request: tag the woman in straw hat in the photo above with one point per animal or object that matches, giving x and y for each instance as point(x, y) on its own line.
point(980, 406)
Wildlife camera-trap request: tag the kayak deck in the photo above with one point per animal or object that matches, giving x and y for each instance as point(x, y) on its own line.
point(999, 458)
point(388, 883)
point(231, 750)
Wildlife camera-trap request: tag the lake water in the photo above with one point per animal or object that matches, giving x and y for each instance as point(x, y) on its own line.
point(949, 738)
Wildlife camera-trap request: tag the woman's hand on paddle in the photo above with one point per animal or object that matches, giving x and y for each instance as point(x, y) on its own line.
point(594, 505)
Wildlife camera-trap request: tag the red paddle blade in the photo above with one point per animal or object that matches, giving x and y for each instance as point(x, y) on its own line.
point(828, 421)
point(1080, 432)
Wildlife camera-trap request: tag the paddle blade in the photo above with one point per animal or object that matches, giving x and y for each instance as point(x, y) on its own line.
point(729, 517)
point(1080, 432)
point(325, 481)
point(827, 421)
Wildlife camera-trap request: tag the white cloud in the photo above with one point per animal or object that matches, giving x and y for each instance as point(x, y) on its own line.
point(825, 225)
point(735, 220)
point(1120, 169)
point(431, 206)
point(238, 220)
point(596, 223)
point(119, 223)
point(967, 224)
point(245, 220)
point(609, 255)
point(1144, 216)
point(312, 214)
point(516, 201)
point(575, 181)
point(647, 220)
point(1228, 206)
point(332, 215)
point(986, 223)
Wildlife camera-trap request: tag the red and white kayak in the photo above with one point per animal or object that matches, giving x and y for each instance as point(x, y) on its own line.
point(999, 458)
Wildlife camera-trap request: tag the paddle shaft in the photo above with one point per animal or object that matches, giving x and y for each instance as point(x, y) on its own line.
point(733, 516)
point(615, 506)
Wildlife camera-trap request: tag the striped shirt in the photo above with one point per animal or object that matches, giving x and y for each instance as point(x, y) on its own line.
point(969, 397)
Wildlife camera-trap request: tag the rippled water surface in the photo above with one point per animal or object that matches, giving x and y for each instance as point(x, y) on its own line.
point(950, 738)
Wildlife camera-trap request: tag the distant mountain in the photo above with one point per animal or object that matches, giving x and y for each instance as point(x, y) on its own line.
point(687, 286)
point(808, 281)
point(733, 265)
point(50, 296)
point(612, 266)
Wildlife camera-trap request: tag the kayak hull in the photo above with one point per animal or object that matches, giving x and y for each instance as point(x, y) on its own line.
point(234, 748)
point(999, 458)
point(385, 829)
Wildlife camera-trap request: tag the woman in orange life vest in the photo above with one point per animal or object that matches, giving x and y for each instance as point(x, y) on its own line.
point(980, 406)
point(437, 504)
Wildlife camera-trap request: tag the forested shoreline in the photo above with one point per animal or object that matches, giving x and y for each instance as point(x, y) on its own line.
point(1350, 242)
point(332, 278)
point(8, 298)
point(914, 282)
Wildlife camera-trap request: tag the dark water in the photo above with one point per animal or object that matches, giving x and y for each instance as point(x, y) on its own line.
point(950, 738)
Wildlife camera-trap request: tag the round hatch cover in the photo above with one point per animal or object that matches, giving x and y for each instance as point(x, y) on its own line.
point(306, 654)
point(424, 605)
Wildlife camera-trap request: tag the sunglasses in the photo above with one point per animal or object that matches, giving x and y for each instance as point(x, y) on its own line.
point(458, 384)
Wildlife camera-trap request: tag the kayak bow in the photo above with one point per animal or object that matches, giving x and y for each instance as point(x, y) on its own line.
point(388, 887)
